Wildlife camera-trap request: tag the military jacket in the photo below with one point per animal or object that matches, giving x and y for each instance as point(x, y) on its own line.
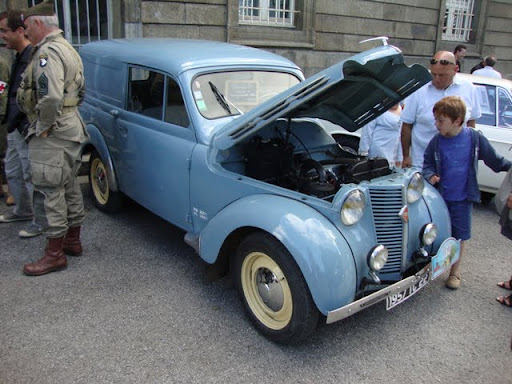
point(52, 88)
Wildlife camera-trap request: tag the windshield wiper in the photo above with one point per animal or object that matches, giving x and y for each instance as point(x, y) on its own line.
point(225, 103)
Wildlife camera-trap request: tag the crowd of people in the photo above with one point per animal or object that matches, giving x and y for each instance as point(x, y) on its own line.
point(435, 135)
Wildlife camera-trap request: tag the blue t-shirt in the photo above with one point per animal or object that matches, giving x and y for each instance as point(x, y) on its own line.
point(455, 159)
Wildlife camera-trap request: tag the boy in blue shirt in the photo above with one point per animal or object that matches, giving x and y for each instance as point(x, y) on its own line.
point(451, 164)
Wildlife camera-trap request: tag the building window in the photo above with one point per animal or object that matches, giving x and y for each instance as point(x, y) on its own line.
point(280, 13)
point(82, 21)
point(271, 23)
point(458, 20)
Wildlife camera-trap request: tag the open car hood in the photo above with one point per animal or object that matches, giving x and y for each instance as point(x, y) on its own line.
point(350, 94)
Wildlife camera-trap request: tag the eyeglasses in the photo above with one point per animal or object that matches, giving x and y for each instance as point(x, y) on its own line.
point(442, 62)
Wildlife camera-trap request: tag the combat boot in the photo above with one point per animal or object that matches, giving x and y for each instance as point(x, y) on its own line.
point(52, 260)
point(72, 245)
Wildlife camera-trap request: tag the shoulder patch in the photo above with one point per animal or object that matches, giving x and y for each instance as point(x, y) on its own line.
point(3, 85)
point(42, 90)
point(43, 60)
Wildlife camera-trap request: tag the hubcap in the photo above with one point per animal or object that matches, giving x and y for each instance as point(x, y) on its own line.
point(99, 181)
point(266, 290)
point(269, 289)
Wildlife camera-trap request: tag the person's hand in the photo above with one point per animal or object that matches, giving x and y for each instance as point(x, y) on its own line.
point(406, 162)
point(434, 179)
point(509, 201)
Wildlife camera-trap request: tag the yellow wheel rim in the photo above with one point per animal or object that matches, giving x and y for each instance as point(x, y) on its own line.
point(99, 181)
point(266, 290)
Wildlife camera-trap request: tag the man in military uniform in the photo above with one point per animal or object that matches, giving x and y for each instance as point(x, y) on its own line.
point(50, 92)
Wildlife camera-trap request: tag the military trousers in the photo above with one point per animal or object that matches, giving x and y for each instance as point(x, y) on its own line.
point(58, 201)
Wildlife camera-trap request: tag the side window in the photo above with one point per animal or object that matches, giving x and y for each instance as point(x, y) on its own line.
point(175, 111)
point(504, 109)
point(487, 96)
point(145, 92)
point(136, 84)
point(150, 91)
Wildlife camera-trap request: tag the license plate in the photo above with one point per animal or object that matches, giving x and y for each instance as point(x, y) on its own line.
point(398, 298)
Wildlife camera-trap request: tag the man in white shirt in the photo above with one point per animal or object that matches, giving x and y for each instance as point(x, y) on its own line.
point(418, 125)
point(488, 70)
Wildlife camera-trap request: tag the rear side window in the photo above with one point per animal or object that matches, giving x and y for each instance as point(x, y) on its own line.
point(487, 96)
point(156, 95)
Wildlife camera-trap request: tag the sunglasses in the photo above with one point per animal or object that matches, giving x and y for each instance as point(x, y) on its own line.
point(442, 62)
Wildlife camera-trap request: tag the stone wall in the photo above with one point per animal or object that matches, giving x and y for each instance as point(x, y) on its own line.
point(498, 35)
point(332, 30)
point(194, 19)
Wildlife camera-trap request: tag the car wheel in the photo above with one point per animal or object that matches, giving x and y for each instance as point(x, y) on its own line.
point(105, 199)
point(348, 141)
point(273, 290)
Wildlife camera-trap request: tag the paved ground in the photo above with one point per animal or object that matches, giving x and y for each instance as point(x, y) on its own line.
point(137, 309)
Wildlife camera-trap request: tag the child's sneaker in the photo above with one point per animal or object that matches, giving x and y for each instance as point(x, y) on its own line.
point(453, 282)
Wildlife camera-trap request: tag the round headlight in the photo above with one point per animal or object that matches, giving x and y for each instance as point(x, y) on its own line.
point(415, 188)
point(353, 207)
point(428, 234)
point(377, 258)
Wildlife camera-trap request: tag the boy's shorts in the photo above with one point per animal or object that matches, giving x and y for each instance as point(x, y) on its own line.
point(460, 216)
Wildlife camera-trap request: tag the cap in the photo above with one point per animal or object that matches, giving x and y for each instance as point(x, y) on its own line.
point(45, 8)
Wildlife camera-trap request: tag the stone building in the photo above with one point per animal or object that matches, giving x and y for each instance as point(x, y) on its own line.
point(312, 33)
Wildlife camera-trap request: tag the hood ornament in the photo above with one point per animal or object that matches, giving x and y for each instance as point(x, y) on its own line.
point(383, 39)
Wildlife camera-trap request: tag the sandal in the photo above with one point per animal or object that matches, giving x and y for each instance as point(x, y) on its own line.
point(506, 284)
point(505, 300)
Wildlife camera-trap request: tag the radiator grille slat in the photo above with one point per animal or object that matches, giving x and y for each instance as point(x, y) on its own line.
point(386, 204)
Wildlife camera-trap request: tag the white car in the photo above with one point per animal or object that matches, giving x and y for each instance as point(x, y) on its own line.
point(495, 123)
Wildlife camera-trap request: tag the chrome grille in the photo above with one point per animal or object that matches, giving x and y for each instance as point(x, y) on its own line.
point(386, 204)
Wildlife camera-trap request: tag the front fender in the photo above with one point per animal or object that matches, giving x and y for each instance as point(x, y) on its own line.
point(320, 251)
point(439, 214)
point(98, 142)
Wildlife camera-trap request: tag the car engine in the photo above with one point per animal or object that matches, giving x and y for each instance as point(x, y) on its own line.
point(278, 162)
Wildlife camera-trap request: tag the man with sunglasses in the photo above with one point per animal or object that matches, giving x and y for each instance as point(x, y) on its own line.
point(418, 125)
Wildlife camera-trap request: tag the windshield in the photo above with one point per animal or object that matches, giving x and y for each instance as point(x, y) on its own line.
point(233, 93)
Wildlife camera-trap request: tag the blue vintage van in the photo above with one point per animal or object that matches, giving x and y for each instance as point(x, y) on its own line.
point(229, 143)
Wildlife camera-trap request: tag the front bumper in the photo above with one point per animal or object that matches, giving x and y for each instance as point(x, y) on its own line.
point(448, 254)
